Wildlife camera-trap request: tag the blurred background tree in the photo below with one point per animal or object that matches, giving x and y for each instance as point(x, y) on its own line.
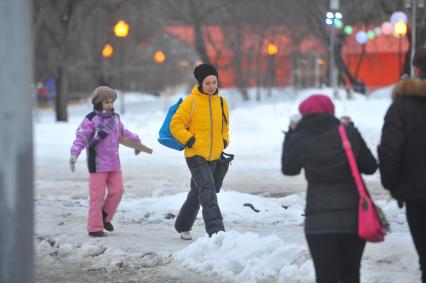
point(167, 38)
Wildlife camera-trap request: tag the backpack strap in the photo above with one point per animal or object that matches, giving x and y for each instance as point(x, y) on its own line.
point(223, 113)
point(91, 115)
point(192, 111)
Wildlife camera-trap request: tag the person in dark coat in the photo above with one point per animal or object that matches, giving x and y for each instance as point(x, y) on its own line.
point(402, 152)
point(332, 198)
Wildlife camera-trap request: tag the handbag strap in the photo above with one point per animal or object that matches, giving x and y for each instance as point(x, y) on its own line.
point(362, 191)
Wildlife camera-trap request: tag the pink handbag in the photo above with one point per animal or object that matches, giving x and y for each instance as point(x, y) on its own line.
point(370, 226)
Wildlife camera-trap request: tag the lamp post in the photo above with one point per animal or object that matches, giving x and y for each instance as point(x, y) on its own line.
point(107, 52)
point(334, 20)
point(121, 30)
point(413, 4)
point(400, 29)
point(272, 50)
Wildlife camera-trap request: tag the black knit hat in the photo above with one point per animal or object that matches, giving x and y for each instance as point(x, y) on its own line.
point(419, 59)
point(204, 70)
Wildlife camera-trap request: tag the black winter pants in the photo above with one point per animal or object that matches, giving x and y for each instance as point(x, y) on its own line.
point(337, 257)
point(202, 193)
point(416, 216)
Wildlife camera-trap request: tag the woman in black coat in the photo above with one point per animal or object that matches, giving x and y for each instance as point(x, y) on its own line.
point(402, 152)
point(332, 198)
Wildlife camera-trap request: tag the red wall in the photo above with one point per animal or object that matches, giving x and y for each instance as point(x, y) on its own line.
point(282, 71)
point(377, 69)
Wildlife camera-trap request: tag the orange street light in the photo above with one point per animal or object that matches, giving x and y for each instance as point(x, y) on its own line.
point(272, 49)
point(320, 61)
point(107, 51)
point(121, 29)
point(159, 57)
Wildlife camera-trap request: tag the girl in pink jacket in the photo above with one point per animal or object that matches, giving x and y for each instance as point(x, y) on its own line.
point(99, 133)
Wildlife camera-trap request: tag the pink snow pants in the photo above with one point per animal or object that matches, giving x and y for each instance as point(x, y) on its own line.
point(98, 182)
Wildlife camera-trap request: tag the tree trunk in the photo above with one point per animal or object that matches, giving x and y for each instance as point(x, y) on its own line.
point(240, 80)
point(61, 97)
point(61, 79)
point(360, 59)
point(200, 45)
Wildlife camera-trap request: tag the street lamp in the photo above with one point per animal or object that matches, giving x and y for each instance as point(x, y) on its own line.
point(399, 29)
point(107, 51)
point(159, 57)
point(272, 49)
point(121, 30)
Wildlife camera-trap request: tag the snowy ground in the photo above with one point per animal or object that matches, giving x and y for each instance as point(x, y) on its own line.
point(264, 246)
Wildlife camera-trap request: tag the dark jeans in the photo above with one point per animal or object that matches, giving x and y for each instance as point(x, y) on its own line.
point(202, 193)
point(416, 216)
point(337, 257)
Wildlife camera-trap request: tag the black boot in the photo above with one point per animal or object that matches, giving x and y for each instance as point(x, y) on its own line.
point(107, 225)
point(97, 234)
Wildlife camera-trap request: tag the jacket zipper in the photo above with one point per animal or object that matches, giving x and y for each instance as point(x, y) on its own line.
point(211, 127)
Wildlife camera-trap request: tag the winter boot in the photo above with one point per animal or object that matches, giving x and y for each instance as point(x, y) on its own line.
point(97, 234)
point(107, 225)
point(186, 235)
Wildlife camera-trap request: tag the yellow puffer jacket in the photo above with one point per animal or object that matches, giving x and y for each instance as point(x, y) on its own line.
point(200, 115)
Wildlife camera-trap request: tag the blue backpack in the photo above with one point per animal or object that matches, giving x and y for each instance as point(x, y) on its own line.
point(165, 137)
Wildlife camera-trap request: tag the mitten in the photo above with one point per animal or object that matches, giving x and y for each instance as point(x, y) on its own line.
point(190, 142)
point(73, 159)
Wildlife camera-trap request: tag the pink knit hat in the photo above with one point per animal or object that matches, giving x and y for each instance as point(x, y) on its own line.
point(316, 103)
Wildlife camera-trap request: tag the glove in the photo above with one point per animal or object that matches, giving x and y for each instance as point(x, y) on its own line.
point(137, 152)
point(346, 120)
point(190, 142)
point(73, 159)
point(294, 120)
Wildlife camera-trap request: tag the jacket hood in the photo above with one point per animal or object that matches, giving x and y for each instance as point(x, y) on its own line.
point(410, 87)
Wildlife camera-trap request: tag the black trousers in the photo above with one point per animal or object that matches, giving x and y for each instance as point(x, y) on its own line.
point(337, 257)
point(202, 193)
point(416, 217)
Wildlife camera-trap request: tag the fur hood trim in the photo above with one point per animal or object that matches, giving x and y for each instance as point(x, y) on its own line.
point(410, 87)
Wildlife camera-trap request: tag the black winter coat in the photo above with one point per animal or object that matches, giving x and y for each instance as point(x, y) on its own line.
point(402, 150)
point(332, 197)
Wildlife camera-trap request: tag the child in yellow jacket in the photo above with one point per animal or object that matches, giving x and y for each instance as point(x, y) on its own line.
point(201, 123)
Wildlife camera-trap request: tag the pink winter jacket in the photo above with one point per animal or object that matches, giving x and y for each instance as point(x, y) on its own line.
point(104, 156)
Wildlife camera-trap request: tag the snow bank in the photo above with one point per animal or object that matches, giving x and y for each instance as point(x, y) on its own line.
point(247, 257)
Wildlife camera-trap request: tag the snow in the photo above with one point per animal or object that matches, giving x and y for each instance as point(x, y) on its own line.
point(247, 257)
point(263, 246)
